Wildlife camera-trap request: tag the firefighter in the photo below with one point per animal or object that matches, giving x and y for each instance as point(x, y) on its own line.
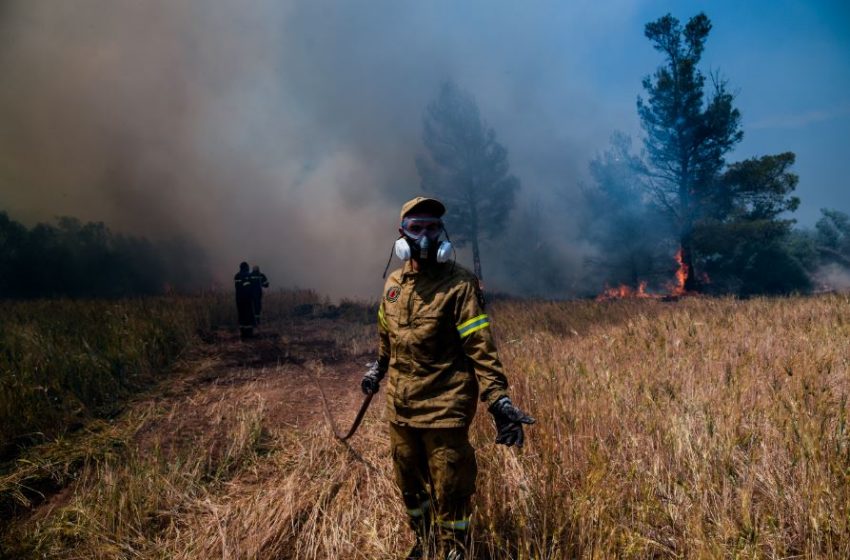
point(245, 301)
point(258, 282)
point(437, 351)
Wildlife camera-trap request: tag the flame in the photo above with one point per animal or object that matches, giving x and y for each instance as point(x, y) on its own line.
point(678, 288)
point(624, 291)
point(675, 287)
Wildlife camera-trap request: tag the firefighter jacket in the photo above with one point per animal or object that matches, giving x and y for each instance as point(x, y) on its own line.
point(437, 347)
point(258, 282)
point(242, 283)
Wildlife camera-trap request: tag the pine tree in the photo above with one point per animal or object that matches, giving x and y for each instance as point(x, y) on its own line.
point(687, 134)
point(467, 169)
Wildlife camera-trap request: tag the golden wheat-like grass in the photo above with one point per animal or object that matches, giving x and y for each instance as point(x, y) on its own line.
point(704, 428)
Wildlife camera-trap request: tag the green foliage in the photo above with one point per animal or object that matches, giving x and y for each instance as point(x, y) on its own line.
point(746, 248)
point(752, 257)
point(758, 188)
point(686, 136)
point(467, 168)
point(74, 259)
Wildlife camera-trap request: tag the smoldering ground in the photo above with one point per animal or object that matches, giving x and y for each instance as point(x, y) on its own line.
point(279, 133)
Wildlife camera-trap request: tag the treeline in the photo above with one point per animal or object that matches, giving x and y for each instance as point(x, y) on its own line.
point(75, 259)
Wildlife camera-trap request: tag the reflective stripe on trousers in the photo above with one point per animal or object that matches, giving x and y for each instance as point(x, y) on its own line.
point(454, 524)
point(416, 513)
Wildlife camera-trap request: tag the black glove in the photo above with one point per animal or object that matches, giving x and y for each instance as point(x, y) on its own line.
point(372, 379)
point(509, 420)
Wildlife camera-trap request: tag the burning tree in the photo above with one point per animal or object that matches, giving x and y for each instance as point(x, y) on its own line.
point(726, 221)
point(467, 168)
point(687, 133)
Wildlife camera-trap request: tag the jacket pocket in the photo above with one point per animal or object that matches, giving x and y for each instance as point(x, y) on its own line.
point(426, 342)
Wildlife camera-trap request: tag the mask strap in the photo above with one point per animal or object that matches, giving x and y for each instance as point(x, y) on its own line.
point(389, 260)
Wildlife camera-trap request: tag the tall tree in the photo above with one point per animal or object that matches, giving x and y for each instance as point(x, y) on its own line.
point(467, 168)
point(687, 133)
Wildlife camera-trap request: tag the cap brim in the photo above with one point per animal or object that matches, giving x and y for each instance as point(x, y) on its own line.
point(427, 206)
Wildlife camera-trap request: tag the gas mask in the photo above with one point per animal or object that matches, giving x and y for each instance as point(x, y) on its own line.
point(421, 241)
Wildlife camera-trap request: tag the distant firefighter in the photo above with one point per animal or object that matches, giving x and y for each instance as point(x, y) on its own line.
point(258, 282)
point(245, 301)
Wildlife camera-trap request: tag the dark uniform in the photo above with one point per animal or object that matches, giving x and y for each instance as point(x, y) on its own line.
point(258, 282)
point(244, 301)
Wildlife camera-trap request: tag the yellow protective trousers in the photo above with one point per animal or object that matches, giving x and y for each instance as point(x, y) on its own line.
point(435, 470)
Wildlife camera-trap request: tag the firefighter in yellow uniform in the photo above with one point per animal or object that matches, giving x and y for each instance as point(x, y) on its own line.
point(437, 350)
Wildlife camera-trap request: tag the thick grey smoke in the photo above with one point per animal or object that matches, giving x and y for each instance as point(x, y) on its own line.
point(284, 133)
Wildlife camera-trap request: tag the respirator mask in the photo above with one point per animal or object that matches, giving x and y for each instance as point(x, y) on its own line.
point(421, 241)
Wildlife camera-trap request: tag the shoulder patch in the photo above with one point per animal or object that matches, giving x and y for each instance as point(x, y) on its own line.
point(393, 292)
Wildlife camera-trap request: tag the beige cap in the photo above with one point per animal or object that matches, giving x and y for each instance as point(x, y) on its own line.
point(423, 204)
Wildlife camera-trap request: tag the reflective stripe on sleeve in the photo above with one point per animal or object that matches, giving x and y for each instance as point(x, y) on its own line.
point(382, 319)
point(474, 324)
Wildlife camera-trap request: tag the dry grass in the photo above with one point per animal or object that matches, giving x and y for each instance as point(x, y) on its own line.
point(64, 362)
point(698, 429)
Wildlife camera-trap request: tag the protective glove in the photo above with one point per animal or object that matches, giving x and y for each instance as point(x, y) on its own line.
point(509, 420)
point(372, 379)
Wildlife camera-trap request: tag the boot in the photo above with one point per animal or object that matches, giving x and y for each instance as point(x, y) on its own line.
point(421, 525)
point(417, 551)
point(455, 554)
point(452, 544)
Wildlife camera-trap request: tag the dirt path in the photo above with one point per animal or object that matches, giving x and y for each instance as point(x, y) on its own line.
point(282, 367)
point(223, 377)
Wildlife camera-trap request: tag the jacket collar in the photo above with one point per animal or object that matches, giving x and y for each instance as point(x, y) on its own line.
point(427, 272)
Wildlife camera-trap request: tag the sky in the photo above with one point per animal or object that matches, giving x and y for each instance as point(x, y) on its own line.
point(284, 132)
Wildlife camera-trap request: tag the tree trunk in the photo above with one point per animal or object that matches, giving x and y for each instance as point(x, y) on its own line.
point(473, 222)
point(476, 259)
point(686, 238)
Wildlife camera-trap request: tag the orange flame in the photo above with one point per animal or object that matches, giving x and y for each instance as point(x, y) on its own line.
point(623, 291)
point(675, 287)
point(678, 288)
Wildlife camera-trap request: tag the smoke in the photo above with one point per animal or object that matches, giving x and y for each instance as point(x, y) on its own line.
point(832, 277)
point(284, 133)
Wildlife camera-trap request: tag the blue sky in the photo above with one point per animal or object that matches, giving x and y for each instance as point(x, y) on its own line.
point(789, 62)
